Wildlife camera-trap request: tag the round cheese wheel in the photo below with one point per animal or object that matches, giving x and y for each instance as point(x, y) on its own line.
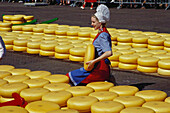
point(48, 47)
point(38, 74)
point(157, 106)
point(146, 69)
point(124, 90)
point(167, 49)
point(107, 107)
point(122, 30)
point(33, 94)
point(76, 58)
point(89, 55)
point(124, 43)
point(33, 51)
point(57, 78)
point(64, 43)
point(72, 38)
point(164, 64)
point(17, 21)
point(161, 56)
point(165, 72)
point(27, 28)
point(149, 33)
point(104, 95)
point(79, 45)
point(156, 41)
point(14, 79)
point(154, 36)
point(152, 47)
point(57, 86)
point(138, 50)
point(83, 34)
point(6, 67)
point(148, 61)
point(77, 51)
point(19, 32)
point(93, 34)
point(17, 28)
point(115, 56)
point(64, 111)
point(58, 97)
point(81, 103)
point(124, 52)
point(9, 39)
point(2, 82)
point(36, 83)
point(80, 90)
point(5, 29)
point(129, 59)
point(17, 18)
point(140, 39)
point(29, 17)
point(19, 71)
point(38, 30)
point(12, 109)
point(61, 56)
point(49, 31)
point(6, 90)
point(34, 45)
point(5, 24)
point(72, 33)
point(114, 63)
point(41, 107)
point(157, 51)
point(4, 74)
point(100, 86)
point(167, 99)
point(152, 95)
point(130, 101)
point(63, 49)
point(20, 42)
point(7, 17)
point(137, 110)
point(9, 47)
point(127, 66)
point(60, 32)
point(47, 53)
point(137, 45)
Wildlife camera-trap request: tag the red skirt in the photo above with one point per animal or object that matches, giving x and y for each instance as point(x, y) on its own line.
point(90, 0)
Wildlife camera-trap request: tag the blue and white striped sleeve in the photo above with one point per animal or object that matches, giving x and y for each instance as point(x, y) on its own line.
point(2, 47)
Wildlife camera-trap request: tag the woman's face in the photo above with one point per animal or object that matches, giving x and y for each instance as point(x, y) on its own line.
point(95, 23)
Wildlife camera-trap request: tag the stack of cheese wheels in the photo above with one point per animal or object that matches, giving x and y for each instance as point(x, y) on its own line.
point(128, 62)
point(124, 40)
point(84, 35)
point(62, 51)
point(124, 90)
point(59, 97)
point(64, 111)
point(114, 38)
point(148, 64)
point(29, 18)
point(33, 47)
point(33, 94)
point(17, 19)
point(57, 86)
point(100, 86)
point(14, 79)
point(156, 43)
point(4, 74)
point(36, 83)
point(137, 110)
point(13, 109)
point(47, 49)
point(41, 107)
point(81, 103)
point(167, 45)
point(20, 45)
point(163, 67)
point(104, 95)
point(77, 54)
point(158, 106)
point(107, 107)
point(152, 95)
point(80, 90)
point(8, 40)
point(6, 90)
point(19, 71)
point(38, 74)
point(167, 99)
point(5, 27)
point(89, 55)
point(7, 18)
point(57, 78)
point(140, 41)
point(130, 101)
point(114, 59)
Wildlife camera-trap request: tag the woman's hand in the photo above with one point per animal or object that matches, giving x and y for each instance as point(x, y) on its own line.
point(90, 64)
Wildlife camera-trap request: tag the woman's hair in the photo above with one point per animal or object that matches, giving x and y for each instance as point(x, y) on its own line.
point(103, 24)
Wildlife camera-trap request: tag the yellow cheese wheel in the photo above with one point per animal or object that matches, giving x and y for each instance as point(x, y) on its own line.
point(115, 56)
point(2, 82)
point(137, 45)
point(81, 103)
point(36, 83)
point(60, 32)
point(57, 86)
point(156, 41)
point(7, 17)
point(6, 67)
point(167, 49)
point(127, 66)
point(76, 58)
point(57, 78)
point(84, 38)
point(152, 95)
point(77, 51)
point(100, 86)
point(38, 74)
point(167, 99)
point(33, 94)
point(148, 61)
point(19, 71)
point(61, 56)
point(137, 110)
point(124, 52)
point(5, 24)
point(29, 17)
point(165, 72)
point(140, 49)
point(4, 74)
point(64, 111)
point(8, 40)
point(146, 69)
point(9, 47)
point(87, 42)
point(140, 39)
point(157, 51)
point(23, 37)
point(64, 43)
point(124, 38)
point(104, 95)
point(20, 32)
point(12, 109)
point(164, 64)
point(5, 29)
point(152, 47)
point(72, 33)
point(154, 36)
point(38, 34)
point(80, 45)
point(47, 53)
point(158, 106)
point(17, 18)
point(161, 56)
point(83, 34)
point(149, 33)
point(135, 32)
point(38, 30)
point(58, 97)
point(6, 90)
point(48, 47)
point(124, 43)
point(49, 37)
point(14, 79)
point(114, 63)
point(49, 31)
point(122, 30)
point(129, 59)
point(33, 51)
point(72, 38)
point(63, 49)
point(93, 34)
point(17, 21)
point(163, 34)
point(130, 101)
point(20, 42)
point(41, 107)
point(89, 55)
point(80, 90)
point(4, 99)
point(107, 107)
point(124, 90)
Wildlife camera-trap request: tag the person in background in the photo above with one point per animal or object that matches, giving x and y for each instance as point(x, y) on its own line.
point(2, 48)
point(103, 49)
point(90, 1)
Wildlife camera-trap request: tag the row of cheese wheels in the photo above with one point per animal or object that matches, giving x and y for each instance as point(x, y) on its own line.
point(17, 19)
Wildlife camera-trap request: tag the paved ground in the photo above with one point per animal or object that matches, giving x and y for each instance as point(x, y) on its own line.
point(133, 19)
